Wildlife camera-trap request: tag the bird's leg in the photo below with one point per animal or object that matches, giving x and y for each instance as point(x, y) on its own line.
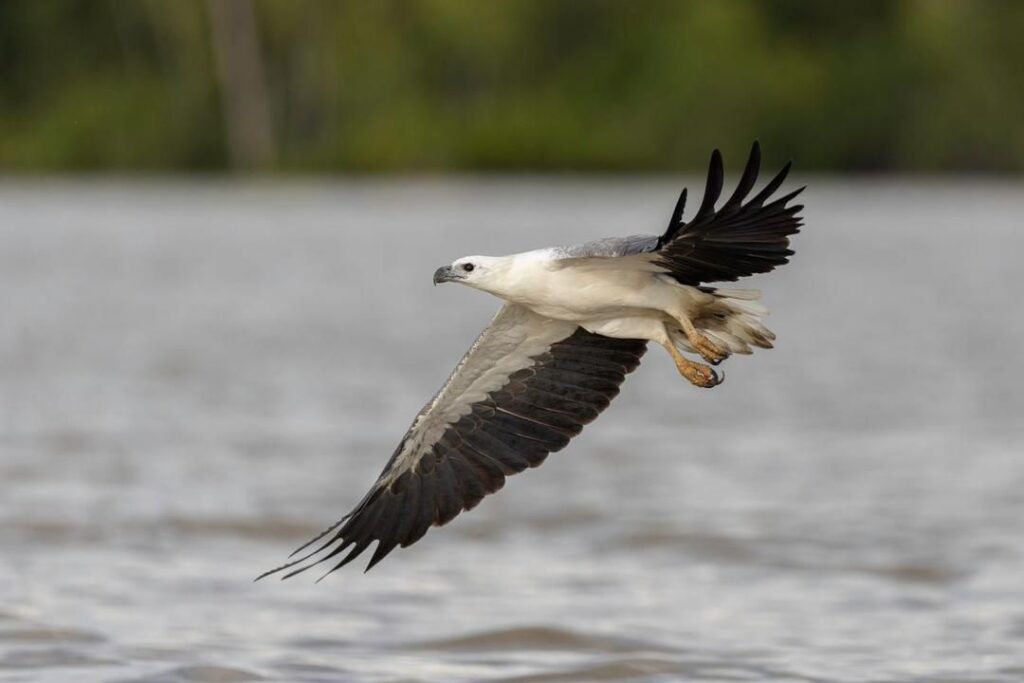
point(697, 373)
point(709, 351)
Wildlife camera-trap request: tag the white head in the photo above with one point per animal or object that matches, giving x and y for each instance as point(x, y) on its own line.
point(479, 272)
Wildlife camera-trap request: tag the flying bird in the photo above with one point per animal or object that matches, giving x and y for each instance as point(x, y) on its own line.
point(575, 322)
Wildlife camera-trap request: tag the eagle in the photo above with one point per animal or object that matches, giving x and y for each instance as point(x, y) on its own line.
point(576, 320)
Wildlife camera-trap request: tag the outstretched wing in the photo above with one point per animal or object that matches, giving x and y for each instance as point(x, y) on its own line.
point(741, 238)
point(523, 390)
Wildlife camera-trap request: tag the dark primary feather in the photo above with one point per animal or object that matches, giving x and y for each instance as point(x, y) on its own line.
point(537, 411)
point(737, 239)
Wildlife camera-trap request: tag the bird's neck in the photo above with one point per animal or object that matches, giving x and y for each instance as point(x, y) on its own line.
point(516, 278)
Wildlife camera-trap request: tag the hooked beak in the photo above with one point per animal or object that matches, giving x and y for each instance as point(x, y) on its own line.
point(445, 274)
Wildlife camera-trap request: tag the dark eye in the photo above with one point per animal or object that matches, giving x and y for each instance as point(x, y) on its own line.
point(468, 267)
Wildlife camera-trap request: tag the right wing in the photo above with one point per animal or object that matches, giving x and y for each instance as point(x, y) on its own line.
point(736, 240)
point(523, 390)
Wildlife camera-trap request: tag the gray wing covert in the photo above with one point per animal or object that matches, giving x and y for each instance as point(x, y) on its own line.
point(609, 247)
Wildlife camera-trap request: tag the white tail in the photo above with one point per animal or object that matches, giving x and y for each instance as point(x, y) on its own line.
point(731, 318)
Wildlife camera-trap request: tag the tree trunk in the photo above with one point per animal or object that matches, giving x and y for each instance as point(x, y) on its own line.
point(243, 86)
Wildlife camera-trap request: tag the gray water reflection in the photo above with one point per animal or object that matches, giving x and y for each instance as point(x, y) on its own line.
point(195, 378)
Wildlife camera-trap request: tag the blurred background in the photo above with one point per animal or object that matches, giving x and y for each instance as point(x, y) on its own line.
point(218, 225)
point(434, 85)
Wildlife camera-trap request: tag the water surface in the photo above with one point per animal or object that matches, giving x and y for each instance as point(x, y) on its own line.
point(195, 378)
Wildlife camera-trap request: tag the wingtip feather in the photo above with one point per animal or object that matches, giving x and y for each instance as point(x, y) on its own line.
point(747, 180)
point(318, 536)
point(713, 189)
point(772, 186)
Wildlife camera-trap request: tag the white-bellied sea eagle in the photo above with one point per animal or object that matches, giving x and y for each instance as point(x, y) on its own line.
point(575, 322)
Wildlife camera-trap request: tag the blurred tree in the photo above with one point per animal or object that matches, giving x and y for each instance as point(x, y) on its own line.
point(863, 85)
point(242, 83)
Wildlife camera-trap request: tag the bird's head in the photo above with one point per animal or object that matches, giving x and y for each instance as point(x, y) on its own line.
point(479, 272)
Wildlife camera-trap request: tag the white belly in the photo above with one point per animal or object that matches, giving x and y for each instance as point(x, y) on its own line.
point(650, 327)
point(584, 294)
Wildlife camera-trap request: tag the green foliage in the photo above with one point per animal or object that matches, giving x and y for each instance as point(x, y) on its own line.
point(425, 85)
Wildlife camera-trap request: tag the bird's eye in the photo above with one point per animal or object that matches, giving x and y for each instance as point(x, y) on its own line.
point(468, 267)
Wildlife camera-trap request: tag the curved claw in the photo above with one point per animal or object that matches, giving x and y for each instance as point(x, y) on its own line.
point(698, 374)
point(711, 352)
point(704, 377)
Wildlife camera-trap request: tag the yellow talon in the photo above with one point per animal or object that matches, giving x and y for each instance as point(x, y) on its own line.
point(709, 351)
point(698, 374)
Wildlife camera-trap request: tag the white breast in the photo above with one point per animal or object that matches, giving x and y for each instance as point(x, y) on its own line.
point(582, 291)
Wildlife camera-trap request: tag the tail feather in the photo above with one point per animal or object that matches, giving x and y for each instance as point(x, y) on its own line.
point(732, 319)
point(732, 293)
point(729, 341)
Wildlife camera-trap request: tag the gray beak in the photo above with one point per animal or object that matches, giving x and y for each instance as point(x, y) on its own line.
point(444, 274)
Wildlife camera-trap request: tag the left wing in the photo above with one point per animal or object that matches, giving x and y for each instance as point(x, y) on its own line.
point(523, 390)
point(742, 237)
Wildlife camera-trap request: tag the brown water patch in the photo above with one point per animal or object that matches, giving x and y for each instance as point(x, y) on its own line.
point(38, 531)
point(255, 528)
point(201, 674)
point(49, 658)
point(49, 635)
point(621, 670)
point(916, 573)
point(711, 546)
point(535, 638)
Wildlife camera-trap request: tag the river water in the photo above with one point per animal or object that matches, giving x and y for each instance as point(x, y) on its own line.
point(195, 377)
